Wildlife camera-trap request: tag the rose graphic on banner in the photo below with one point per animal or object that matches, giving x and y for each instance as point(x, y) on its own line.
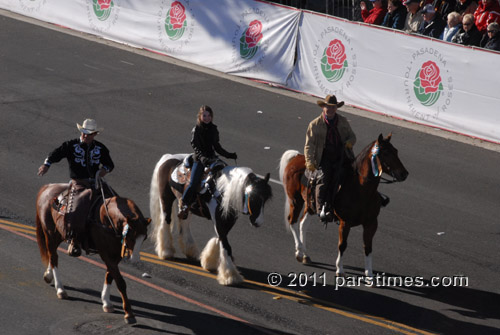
point(334, 61)
point(175, 23)
point(427, 84)
point(250, 39)
point(103, 8)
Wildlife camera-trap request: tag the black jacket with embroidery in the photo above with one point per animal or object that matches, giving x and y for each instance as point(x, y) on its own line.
point(205, 142)
point(84, 160)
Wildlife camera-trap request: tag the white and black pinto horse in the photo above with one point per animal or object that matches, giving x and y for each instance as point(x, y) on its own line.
point(241, 191)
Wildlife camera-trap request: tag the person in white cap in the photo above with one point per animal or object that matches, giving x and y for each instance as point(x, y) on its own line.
point(87, 159)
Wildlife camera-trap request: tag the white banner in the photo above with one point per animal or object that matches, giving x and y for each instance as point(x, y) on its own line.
point(412, 78)
point(246, 38)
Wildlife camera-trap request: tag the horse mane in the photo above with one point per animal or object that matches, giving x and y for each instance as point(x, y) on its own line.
point(362, 156)
point(231, 184)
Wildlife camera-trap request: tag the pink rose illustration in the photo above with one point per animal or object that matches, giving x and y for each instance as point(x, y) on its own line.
point(104, 4)
point(177, 15)
point(429, 77)
point(253, 34)
point(335, 54)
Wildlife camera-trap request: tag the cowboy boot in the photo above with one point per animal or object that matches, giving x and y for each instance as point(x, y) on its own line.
point(74, 249)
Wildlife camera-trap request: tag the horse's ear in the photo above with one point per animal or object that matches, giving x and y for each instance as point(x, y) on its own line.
point(266, 178)
point(380, 138)
point(148, 221)
point(389, 137)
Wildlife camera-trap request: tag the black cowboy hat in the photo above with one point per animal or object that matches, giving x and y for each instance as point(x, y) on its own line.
point(330, 100)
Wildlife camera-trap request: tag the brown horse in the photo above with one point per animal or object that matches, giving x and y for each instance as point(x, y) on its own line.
point(118, 227)
point(357, 202)
point(240, 190)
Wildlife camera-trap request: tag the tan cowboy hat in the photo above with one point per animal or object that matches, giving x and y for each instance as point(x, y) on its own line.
point(330, 100)
point(89, 127)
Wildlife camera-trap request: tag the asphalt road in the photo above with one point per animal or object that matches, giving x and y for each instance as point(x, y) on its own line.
point(442, 221)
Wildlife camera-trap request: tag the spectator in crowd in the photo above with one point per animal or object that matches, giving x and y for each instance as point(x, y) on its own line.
point(454, 24)
point(491, 40)
point(468, 34)
point(433, 24)
point(487, 12)
point(396, 15)
point(444, 7)
point(464, 7)
point(376, 14)
point(414, 17)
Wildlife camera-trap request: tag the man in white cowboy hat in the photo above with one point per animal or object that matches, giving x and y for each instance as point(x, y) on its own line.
point(87, 159)
point(329, 139)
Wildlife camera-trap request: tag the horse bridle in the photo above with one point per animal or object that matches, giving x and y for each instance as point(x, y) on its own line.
point(125, 249)
point(247, 210)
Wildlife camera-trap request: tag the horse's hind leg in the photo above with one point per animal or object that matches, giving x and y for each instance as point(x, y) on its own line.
point(343, 234)
point(52, 271)
point(164, 245)
point(299, 235)
point(107, 306)
point(186, 240)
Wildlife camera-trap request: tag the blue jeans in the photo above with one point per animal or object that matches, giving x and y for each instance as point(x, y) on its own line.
point(194, 183)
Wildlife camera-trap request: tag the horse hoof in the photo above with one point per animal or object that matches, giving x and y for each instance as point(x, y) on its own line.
point(108, 309)
point(130, 320)
point(340, 274)
point(299, 259)
point(62, 295)
point(306, 260)
point(48, 279)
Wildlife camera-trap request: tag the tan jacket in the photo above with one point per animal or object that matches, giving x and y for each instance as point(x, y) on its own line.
point(316, 138)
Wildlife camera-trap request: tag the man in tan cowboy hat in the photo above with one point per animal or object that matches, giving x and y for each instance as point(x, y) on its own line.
point(329, 138)
point(86, 157)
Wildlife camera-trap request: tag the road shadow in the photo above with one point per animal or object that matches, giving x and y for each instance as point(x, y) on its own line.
point(157, 318)
point(374, 301)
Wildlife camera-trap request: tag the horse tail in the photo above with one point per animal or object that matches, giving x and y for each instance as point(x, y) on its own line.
point(154, 196)
point(285, 159)
point(41, 238)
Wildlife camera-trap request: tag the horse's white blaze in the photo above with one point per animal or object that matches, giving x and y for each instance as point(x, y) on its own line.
point(209, 257)
point(260, 219)
point(368, 266)
point(227, 273)
point(136, 253)
point(107, 306)
point(339, 264)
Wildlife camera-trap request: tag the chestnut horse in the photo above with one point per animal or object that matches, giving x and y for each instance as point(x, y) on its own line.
point(241, 191)
point(117, 227)
point(356, 203)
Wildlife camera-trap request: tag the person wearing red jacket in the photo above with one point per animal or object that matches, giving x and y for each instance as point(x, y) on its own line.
point(487, 12)
point(377, 14)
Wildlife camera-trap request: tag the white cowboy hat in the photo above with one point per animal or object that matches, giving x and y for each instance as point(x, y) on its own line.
point(89, 127)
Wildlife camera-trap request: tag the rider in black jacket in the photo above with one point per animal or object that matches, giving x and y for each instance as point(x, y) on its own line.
point(86, 158)
point(205, 142)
